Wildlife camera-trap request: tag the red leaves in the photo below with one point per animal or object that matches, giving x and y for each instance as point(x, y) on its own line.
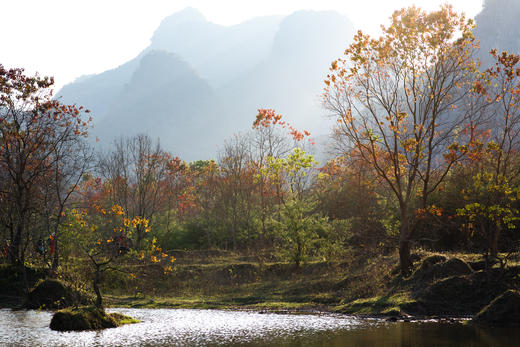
point(268, 117)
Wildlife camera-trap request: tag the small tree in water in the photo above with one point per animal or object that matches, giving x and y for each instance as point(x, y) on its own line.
point(105, 240)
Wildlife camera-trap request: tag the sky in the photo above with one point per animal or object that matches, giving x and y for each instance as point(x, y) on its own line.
point(71, 38)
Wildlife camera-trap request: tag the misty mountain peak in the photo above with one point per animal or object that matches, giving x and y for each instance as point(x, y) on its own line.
point(188, 15)
point(321, 30)
point(497, 28)
point(159, 67)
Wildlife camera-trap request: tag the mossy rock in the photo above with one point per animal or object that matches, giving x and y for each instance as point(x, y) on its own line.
point(87, 318)
point(503, 311)
point(49, 294)
point(453, 267)
point(12, 282)
point(450, 295)
point(437, 267)
point(432, 260)
point(55, 294)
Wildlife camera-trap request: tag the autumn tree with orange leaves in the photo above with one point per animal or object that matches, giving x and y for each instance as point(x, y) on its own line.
point(490, 209)
point(104, 238)
point(402, 100)
point(133, 171)
point(37, 135)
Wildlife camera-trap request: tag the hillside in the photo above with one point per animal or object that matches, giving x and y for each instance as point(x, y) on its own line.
point(198, 83)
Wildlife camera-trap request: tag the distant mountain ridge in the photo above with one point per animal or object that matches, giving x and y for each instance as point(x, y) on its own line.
point(199, 82)
point(497, 28)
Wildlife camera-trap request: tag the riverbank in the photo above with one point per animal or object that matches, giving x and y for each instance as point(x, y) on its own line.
point(449, 285)
point(444, 285)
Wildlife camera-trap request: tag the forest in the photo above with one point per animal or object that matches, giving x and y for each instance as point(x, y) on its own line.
point(423, 160)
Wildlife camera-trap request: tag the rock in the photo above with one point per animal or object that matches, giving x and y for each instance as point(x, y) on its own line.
point(87, 318)
point(453, 267)
point(432, 260)
point(454, 294)
point(49, 294)
point(503, 311)
point(55, 294)
point(436, 267)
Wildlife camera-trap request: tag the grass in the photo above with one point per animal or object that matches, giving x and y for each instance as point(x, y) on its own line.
point(361, 284)
point(235, 284)
point(387, 305)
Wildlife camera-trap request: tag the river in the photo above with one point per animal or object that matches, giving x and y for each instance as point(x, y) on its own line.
point(181, 327)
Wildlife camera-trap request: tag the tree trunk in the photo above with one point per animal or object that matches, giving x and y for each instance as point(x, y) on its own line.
point(405, 256)
point(95, 284)
point(139, 238)
point(405, 234)
point(55, 258)
point(14, 247)
point(493, 244)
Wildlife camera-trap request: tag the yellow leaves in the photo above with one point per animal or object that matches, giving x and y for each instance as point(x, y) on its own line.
point(154, 259)
point(139, 221)
point(132, 276)
point(141, 255)
point(117, 210)
point(409, 144)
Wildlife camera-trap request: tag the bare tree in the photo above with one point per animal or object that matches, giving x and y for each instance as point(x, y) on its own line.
point(134, 169)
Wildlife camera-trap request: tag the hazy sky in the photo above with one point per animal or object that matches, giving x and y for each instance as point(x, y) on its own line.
point(71, 38)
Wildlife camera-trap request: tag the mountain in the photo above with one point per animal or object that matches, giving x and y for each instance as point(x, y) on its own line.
point(163, 98)
point(290, 79)
point(218, 53)
point(198, 82)
point(497, 27)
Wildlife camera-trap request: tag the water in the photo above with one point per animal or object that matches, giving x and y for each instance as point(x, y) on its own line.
point(169, 327)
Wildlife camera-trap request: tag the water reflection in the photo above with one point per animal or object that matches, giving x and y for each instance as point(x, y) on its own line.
point(167, 327)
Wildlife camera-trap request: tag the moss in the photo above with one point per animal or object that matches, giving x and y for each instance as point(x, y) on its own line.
point(50, 294)
point(87, 318)
point(449, 286)
point(437, 267)
point(388, 305)
point(55, 294)
point(503, 311)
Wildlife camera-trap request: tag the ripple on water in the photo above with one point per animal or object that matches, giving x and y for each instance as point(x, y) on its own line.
point(170, 327)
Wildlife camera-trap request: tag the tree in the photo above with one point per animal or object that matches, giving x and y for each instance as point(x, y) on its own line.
point(36, 135)
point(298, 228)
point(133, 171)
point(296, 222)
point(402, 102)
point(267, 141)
point(104, 240)
point(490, 207)
point(237, 187)
point(348, 189)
